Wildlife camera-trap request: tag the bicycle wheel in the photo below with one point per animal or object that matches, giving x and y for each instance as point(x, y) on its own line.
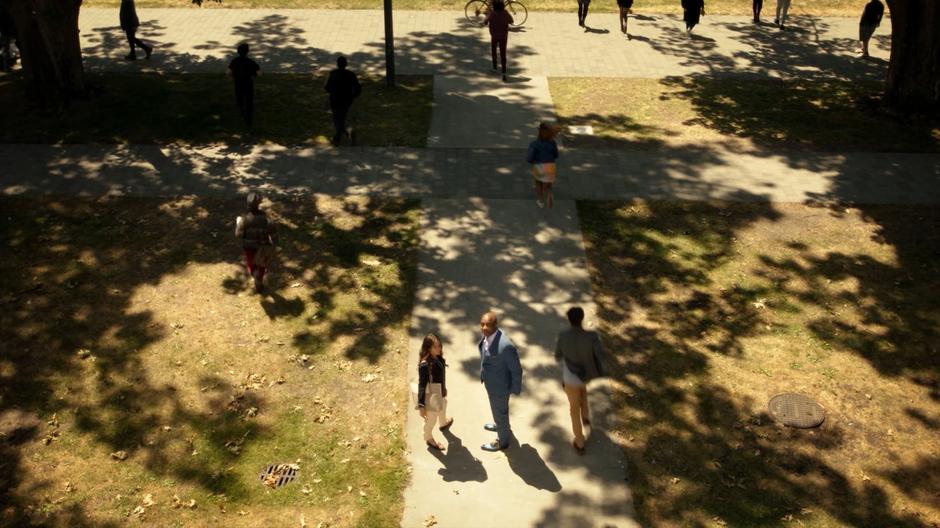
point(519, 13)
point(475, 11)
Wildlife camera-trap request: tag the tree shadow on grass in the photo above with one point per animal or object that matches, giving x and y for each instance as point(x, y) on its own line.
point(76, 362)
point(704, 451)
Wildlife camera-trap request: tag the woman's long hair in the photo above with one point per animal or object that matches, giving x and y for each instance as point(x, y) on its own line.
point(429, 341)
point(499, 5)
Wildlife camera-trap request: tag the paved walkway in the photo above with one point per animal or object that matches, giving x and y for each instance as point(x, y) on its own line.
point(474, 111)
point(434, 42)
point(528, 264)
point(686, 173)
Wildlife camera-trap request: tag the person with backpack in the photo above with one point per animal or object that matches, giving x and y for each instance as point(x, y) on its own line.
point(871, 19)
point(343, 87)
point(259, 236)
point(243, 71)
point(499, 20)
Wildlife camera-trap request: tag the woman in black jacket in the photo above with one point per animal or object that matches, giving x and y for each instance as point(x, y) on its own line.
point(432, 388)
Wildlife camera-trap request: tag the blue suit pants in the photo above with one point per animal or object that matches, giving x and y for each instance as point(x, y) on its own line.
point(499, 405)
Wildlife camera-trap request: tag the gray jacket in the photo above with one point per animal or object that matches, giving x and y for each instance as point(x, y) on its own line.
point(582, 352)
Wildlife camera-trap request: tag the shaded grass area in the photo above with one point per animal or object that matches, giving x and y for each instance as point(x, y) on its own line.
point(799, 114)
point(712, 309)
point(716, 7)
point(199, 108)
point(128, 329)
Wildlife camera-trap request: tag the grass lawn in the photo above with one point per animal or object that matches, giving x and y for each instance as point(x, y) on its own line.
point(142, 382)
point(851, 8)
point(816, 115)
point(290, 109)
point(712, 309)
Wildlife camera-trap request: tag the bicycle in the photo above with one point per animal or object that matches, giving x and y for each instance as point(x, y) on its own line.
point(476, 11)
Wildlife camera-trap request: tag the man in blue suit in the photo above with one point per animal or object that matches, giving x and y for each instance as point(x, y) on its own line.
point(501, 374)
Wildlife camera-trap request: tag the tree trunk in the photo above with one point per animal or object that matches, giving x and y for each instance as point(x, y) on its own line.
point(47, 36)
point(914, 70)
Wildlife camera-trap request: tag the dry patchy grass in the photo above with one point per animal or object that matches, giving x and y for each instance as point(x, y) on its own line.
point(805, 114)
point(128, 326)
point(712, 309)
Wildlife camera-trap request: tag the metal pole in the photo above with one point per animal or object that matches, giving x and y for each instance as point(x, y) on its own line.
point(389, 46)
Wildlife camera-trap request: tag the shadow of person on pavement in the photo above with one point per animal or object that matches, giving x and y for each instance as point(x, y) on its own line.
point(459, 464)
point(525, 461)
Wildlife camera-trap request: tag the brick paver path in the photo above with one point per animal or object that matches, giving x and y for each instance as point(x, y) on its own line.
point(428, 42)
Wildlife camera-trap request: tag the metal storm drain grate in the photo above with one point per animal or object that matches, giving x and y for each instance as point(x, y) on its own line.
point(277, 475)
point(796, 410)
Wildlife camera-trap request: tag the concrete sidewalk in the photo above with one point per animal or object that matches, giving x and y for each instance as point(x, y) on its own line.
point(527, 264)
point(190, 39)
point(482, 111)
point(704, 173)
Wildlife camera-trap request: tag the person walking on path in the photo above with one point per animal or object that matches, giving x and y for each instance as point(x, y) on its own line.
point(499, 19)
point(343, 87)
point(541, 155)
point(579, 353)
point(7, 38)
point(692, 11)
point(501, 375)
point(243, 71)
point(259, 236)
point(583, 6)
point(432, 389)
point(783, 7)
point(871, 19)
point(130, 23)
point(756, 7)
point(624, 6)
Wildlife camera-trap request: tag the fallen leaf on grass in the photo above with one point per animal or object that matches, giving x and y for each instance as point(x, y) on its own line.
point(177, 503)
point(674, 480)
point(148, 500)
point(139, 511)
point(83, 353)
point(119, 455)
point(68, 487)
point(430, 521)
point(369, 378)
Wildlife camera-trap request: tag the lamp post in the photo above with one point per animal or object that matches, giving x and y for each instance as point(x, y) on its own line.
point(389, 45)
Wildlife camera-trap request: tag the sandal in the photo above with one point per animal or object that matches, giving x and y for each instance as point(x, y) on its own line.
point(579, 449)
point(447, 425)
point(434, 445)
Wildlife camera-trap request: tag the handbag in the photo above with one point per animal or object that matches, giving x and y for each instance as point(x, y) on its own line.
point(544, 172)
point(432, 400)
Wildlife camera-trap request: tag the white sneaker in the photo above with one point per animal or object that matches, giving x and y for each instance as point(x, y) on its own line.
point(539, 203)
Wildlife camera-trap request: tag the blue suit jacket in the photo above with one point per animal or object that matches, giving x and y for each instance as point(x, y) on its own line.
point(501, 372)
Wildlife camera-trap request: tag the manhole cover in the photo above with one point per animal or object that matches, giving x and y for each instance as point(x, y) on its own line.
point(796, 410)
point(277, 475)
